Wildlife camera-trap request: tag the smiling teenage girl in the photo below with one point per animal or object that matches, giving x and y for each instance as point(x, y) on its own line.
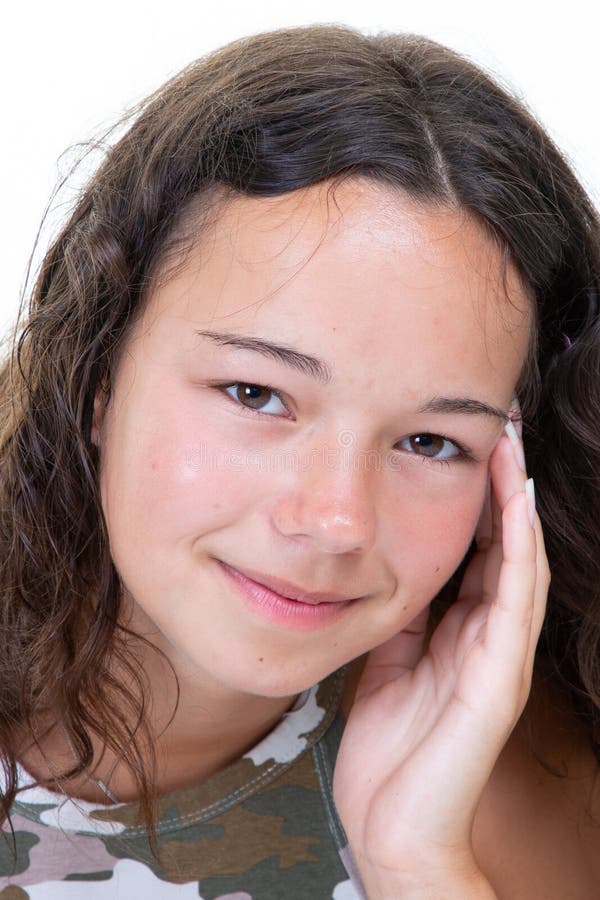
point(253, 427)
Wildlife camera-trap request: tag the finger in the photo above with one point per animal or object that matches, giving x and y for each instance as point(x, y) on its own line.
point(506, 474)
point(494, 555)
point(507, 478)
point(542, 565)
point(481, 577)
point(540, 599)
point(509, 625)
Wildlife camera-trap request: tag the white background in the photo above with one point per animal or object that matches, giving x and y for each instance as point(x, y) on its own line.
point(70, 68)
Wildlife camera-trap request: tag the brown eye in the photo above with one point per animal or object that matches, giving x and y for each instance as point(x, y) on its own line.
point(256, 396)
point(251, 394)
point(431, 446)
point(427, 444)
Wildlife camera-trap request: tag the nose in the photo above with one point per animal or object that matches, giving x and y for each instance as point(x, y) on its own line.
point(330, 505)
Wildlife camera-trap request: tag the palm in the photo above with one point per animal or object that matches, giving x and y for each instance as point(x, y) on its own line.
point(425, 729)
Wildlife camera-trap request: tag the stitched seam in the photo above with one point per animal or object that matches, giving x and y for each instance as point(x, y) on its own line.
point(218, 806)
point(325, 783)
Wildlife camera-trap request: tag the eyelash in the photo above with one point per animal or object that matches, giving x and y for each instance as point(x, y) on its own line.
point(463, 454)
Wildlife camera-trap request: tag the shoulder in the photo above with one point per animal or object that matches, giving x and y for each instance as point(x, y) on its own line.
point(537, 828)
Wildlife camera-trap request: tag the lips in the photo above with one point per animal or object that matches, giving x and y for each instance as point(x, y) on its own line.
point(286, 588)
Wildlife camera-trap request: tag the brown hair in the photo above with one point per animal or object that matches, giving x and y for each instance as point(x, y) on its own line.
point(264, 116)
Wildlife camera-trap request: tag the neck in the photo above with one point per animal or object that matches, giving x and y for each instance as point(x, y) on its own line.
point(212, 726)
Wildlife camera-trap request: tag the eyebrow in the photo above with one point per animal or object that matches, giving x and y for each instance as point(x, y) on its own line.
point(294, 359)
point(464, 405)
point(319, 370)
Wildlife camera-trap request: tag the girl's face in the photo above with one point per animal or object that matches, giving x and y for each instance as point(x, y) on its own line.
point(352, 462)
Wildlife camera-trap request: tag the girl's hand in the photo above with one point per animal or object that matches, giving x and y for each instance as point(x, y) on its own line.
point(425, 731)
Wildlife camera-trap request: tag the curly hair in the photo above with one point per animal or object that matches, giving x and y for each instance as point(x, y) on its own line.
point(263, 116)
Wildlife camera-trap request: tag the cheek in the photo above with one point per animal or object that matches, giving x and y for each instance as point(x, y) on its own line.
point(167, 484)
point(449, 536)
point(431, 530)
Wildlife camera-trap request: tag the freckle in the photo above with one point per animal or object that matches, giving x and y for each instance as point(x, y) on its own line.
point(437, 568)
point(261, 658)
point(404, 607)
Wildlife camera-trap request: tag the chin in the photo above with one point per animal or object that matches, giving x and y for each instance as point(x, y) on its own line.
point(279, 680)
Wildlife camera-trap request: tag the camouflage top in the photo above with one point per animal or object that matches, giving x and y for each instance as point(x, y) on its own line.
point(264, 828)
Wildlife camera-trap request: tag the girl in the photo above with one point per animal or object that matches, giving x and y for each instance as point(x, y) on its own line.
point(266, 408)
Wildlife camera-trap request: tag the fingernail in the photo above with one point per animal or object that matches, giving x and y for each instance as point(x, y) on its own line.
point(530, 494)
point(513, 437)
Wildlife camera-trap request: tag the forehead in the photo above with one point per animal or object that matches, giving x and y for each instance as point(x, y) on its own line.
point(360, 261)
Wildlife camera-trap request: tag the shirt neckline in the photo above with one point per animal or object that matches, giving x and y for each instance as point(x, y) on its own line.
point(297, 731)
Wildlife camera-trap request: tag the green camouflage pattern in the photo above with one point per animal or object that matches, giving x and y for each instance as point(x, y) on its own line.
point(263, 828)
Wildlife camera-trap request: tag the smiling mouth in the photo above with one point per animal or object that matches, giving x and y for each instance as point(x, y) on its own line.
point(286, 589)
